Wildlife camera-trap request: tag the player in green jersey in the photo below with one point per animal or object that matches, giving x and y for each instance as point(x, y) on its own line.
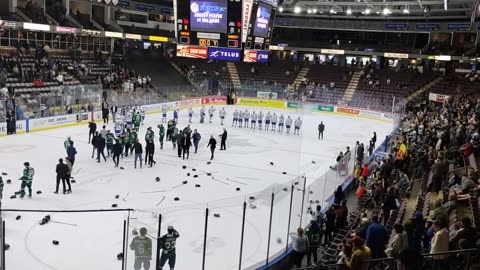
point(143, 250)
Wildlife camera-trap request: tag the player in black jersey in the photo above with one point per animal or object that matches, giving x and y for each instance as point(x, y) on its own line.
point(167, 244)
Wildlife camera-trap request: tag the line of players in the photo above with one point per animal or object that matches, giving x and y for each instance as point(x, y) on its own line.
point(242, 119)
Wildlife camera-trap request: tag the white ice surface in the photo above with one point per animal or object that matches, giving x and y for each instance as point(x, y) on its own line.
point(97, 238)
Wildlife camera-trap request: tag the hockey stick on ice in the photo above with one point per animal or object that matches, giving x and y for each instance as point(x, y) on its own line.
point(228, 179)
point(125, 198)
point(160, 201)
point(64, 223)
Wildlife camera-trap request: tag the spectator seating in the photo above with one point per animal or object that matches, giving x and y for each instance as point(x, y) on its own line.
point(200, 68)
point(330, 82)
point(275, 71)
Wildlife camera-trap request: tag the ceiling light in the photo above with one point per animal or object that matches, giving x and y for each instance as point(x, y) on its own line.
point(367, 11)
point(280, 9)
point(314, 10)
point(332, 11)
point(297, 10)
point(363, 12)
point(309, 11)
point(349, 11)
point(378, 12)
point(406, 11)
point(386, 11)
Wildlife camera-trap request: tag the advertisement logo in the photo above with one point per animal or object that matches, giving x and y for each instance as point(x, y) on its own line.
point(223, 54)
point(192, 51)
point(262, 56)
point(325, 108)
point(262, 20)
point(348, 111)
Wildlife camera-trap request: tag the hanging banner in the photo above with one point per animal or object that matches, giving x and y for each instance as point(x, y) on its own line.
point(438, 97)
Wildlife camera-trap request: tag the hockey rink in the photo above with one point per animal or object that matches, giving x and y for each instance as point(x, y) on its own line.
point(93, 240)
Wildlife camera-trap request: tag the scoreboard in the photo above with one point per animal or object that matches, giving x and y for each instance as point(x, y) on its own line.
point(221, 29)
point(209, 23)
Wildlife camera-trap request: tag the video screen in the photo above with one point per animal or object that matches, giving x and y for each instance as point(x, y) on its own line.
point(208, 16)
point(262, 20)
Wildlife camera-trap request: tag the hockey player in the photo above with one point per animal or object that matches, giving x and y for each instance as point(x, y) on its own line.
point(167, 244)
point(92, 128)
point(132, 138)
point(164, 113)
point(170, 129)
point(128, 143)
point(142, 115)
point(298, 124)
point(288, 124)
point(253, 122)
point(240, 119)
point(110, 139)
point(143, 250)
point(281, 121)
point(246, 117)
point(161, 134)
point(67, 143)
point(122, 140)
point(26, 179)
point(174, 137)
point(268, 117)
point(210, 113)
point(175, 115)
point(202, 114)
point(235, 118)
point(119, 124)
point(129, 119)
point(274, 121)
point(260, 120)
point(149, 151)
point(222, 115)
point(117, 150)
point(190, 114)
point(149, 135)
point(137, 121)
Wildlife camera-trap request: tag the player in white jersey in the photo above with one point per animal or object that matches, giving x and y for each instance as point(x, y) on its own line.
point(274, 121)
point(210, 113)
point(260, 120)
point(240, 119)
point(190, 114)
point(253, 120)
point(202, 114)
point(246, 117)
point(164, 113)
point(222, 115)
point(268, 117)
point(235, 118)
point(288, 124)
point(281, 121)
point(298, 124)
point(128, 118)
point(119, 125)
point(142, 114)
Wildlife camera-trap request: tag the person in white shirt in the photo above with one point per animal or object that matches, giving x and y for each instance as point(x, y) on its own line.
point(298, 124)
point(299, 245)
point(288, 124)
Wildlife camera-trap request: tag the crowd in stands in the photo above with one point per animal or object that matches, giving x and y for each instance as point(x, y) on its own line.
point(434, 156)
point(124, 79)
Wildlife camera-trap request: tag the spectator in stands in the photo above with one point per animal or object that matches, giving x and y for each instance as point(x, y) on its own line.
point(440, 242)
point(345, 254)
point(329, 225)
point(466, 233)
point(361, 254)
point(300, 246)
point(361, 231)
point(403, 183)
point(377, 238)
point(338, 195)
point(341, 215)
point(397, 243)
point(389, 204)
point(440, 213)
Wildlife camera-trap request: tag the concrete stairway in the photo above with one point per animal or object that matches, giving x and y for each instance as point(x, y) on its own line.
point(300, 77)
point(232, 70)
point(352, 87)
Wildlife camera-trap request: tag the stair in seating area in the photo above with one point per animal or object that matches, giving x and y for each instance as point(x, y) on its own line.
point(424, 88)
point(300, 78)
point(234, 77)
point(352, 87)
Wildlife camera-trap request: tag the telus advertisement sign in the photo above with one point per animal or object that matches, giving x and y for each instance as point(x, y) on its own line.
point(223, 54)
point(208, 16)
point(262, 20)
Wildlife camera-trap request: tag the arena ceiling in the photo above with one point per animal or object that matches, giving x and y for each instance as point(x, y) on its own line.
point(383, 9)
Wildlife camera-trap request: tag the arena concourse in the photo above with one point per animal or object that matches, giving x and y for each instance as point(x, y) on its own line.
point(249, 134)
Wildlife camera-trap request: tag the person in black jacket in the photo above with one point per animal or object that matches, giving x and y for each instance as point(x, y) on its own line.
point(100, 148)
point(105, 111)
point(179, 138)
point(137, 146)
point(389, 204)
point(321, 128)
point(224, 139)
point(62, 171)
point(11, 126)
point(95, 139)
point(92, 129)
point(186, 144)
point(149, 151)
point(117, 151)
point(212, 143)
